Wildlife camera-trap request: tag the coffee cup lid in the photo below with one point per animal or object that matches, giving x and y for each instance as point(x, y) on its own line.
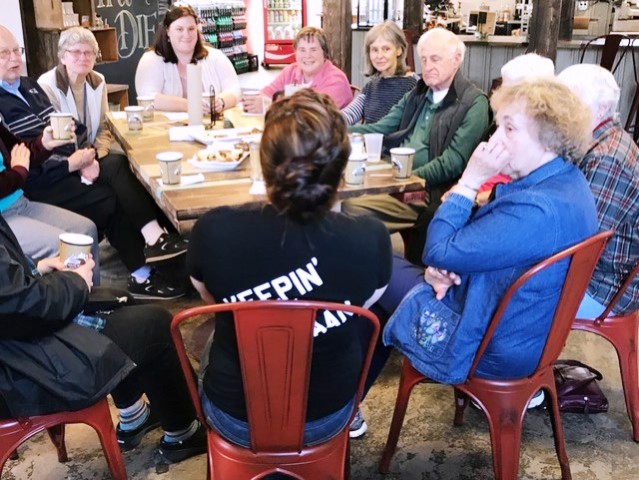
point(76, 238)
point(169, 156)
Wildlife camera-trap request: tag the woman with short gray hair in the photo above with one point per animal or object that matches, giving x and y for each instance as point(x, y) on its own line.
point(131, 223)
point(611, 166)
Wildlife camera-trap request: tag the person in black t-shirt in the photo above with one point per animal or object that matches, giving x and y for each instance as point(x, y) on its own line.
point(293, 247)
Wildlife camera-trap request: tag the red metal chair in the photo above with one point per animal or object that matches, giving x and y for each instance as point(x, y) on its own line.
point(621, 332)
point(505, 401)
point(15, 431)
point(275, 340)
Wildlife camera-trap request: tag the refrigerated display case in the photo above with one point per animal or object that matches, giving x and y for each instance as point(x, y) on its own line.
point(282, 20)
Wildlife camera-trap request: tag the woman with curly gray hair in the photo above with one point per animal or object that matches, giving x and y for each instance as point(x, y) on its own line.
point(295, 246)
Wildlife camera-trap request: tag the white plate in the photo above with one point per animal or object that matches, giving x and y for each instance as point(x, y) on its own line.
point(214, 166)
point(243, 134)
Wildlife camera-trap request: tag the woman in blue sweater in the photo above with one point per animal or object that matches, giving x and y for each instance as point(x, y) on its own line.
point(385, 47)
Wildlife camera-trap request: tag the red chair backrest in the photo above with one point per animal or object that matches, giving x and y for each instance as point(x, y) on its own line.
point(624, 286)
point(275, 344)
point(583, 259)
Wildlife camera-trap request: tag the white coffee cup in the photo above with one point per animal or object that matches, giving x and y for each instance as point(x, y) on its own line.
point(147, 103)
point(170, 167)
point(74, 249)
point(256, 97)
point(374, 143)
point(62, 124)
point(402, 161)
point(134, 118)
point(355, 169)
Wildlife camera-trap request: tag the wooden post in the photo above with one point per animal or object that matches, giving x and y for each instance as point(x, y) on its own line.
point(543, 29)
point(414, 17)
point(337, 27)
point(566, 20)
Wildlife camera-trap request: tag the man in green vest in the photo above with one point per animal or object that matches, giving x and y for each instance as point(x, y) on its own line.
point(443, 118)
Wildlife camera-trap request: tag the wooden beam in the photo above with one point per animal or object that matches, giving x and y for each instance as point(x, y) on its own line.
point(543, 29)
point(414, 17)
point(566, 20)
point(337, 27)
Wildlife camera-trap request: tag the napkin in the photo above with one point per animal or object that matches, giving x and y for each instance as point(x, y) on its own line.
point(184, 134)
point(186, 180)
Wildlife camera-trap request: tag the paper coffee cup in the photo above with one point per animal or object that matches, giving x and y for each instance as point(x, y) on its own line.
point(147, 104)
point(256, 96)
point(134, 118)
point(402, 161)
point(355, 169)
point(170, 167)
point(62, 124)
point(74, 249)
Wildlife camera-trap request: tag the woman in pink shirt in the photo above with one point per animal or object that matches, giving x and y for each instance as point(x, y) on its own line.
point(312, 69)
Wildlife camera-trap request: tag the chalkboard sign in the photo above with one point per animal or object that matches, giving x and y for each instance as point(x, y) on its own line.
point(135, 22)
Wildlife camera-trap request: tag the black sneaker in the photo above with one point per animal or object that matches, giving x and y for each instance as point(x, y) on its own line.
point(129, 439)
point(156, 287)
point(175, 452)
point(169, 245)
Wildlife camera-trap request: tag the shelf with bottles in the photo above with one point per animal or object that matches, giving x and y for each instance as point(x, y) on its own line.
point(284, 4)
point(222, 24)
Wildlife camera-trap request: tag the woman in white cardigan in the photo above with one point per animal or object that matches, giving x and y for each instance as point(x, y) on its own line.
point(161, 72)
point(132, 224)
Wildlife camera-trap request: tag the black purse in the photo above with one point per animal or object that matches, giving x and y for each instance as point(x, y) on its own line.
point(577, 388)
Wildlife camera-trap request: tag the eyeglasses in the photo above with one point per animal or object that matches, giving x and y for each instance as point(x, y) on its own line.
point(5, 54)
point(78, 53)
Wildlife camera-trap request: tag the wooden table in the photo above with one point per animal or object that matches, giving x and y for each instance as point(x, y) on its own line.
point(184, 205)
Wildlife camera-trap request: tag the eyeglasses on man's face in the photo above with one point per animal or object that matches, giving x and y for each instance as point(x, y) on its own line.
point(5, 53)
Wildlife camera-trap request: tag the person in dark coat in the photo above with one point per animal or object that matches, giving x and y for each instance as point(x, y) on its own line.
point(56, 354)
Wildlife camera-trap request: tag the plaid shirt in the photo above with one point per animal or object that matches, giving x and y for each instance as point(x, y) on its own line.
point(611, 166)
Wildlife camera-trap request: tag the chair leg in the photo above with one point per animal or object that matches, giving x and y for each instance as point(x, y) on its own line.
point(461, 402)
point(625, 343)
point(558, 434)
point(505, 434)
point(103, 425)
point(56, 434)
point(410, 377)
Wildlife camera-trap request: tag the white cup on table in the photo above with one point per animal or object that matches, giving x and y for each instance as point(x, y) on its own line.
point(373, 142)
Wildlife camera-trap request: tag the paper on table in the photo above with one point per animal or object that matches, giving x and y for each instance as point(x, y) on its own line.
point(194, 93)
point(185, 134)
point(119, 115)
point(186, 180)
point(176, 116)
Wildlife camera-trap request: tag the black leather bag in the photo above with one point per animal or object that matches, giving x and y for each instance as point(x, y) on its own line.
point(577, 388)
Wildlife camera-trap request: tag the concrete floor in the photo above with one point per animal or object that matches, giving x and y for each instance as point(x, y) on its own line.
point(599, 446)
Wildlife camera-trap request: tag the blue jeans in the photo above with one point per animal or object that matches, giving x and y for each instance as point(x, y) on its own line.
point(237, 431)
point(590, 308)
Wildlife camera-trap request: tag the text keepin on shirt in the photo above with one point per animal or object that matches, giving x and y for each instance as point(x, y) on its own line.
point(294, 284)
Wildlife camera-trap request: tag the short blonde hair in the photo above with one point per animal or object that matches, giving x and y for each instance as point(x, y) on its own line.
point(561, 118)
point(308, 33)
point(75, 35)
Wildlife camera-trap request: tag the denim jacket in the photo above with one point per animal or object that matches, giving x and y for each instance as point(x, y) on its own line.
point(530, 219)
